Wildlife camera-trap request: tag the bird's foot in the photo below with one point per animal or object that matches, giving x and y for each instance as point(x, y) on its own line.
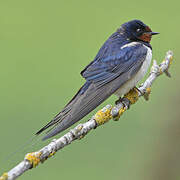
point(124, 101)
point(118, 111)
point(130, 98)
point(132, 95)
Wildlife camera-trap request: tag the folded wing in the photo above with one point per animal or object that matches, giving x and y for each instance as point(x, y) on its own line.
point(103, 77)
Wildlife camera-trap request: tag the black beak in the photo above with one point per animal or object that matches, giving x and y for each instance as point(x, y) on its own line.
point(154, 33)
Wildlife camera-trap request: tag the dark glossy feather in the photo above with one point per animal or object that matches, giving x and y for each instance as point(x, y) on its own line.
point(111, 68)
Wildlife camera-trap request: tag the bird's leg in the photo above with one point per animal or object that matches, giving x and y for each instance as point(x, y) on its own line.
point(118, 101)
point(132, 95)
point(124, 101)
point(129, 98)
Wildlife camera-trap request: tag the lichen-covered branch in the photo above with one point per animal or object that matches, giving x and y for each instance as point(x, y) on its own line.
point(31, 160)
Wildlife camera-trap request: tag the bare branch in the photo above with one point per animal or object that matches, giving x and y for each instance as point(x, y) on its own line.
point(31, 160)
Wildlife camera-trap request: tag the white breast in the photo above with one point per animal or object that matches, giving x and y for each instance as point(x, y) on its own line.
point(137, 77)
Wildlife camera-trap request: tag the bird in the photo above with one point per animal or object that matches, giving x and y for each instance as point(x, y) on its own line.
point(119, 65)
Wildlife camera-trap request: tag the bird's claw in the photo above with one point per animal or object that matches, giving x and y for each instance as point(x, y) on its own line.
point(124, 101)
point(132, 95)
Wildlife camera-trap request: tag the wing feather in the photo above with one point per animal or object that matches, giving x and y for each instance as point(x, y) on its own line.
point(103, 78)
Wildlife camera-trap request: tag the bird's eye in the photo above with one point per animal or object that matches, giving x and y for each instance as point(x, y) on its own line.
point(137, 30)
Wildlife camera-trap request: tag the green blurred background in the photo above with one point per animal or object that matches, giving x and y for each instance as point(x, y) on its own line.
point(43, 47)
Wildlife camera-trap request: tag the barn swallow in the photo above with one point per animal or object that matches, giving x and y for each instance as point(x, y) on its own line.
point(120, 64)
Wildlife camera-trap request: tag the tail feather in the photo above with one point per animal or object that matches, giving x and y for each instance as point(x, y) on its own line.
point(61, 115)
point(80, 107)
point(85, 101)
point(51, 123)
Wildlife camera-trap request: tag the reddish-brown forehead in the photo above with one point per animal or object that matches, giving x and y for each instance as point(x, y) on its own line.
point(148, 29)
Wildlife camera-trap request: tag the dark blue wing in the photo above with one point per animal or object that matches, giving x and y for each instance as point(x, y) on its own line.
point(104, 70)
point(112, 67)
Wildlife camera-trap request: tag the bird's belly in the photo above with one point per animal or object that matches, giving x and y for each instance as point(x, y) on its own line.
point(125, 88)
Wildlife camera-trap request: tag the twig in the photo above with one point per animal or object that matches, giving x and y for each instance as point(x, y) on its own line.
point(31, 160)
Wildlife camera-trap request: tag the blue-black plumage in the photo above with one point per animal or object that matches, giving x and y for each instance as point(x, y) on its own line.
point(119, 65)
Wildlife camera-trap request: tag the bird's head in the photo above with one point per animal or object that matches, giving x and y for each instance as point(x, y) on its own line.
point(136, 30)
